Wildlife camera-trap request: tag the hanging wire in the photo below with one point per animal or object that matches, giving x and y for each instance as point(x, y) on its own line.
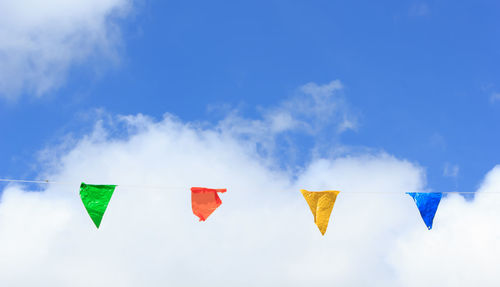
point(46, 181)
point(33, 181)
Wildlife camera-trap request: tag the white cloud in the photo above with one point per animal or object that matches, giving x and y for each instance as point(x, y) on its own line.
point(315, 111)
point(326, 105)
point(41, 40)
point(463, 248)
point(262, 235)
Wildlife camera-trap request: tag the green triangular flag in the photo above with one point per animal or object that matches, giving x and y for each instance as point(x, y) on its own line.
point(95, 198)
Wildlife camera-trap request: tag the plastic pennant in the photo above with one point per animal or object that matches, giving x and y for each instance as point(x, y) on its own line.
point(204, 201)
point(321, 205)
point(95, 198)
point(427, 204)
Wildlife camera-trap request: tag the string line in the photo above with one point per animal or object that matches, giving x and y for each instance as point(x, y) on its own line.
point(170, 187)
point(74, 183)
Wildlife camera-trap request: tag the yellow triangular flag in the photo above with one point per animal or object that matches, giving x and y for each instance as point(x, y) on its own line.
point(321, 204)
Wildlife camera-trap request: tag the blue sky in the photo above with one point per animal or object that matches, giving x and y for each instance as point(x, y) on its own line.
point(263, 98)
point(422, 77)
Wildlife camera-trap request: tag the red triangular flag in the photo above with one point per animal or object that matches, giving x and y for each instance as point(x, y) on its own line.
point(204, 201)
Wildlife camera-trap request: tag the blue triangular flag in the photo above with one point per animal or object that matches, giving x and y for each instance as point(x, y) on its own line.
point(427, 204)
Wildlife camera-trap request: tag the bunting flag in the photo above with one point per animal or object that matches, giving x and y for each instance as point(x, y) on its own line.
point(427, 204)
point(95, 198)
point(204, 201)
point(321, 204)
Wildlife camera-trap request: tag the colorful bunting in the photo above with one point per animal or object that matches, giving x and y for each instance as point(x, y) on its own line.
point(321, 204)
point(427, 204)
point(204, 201)
point(95, 198)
